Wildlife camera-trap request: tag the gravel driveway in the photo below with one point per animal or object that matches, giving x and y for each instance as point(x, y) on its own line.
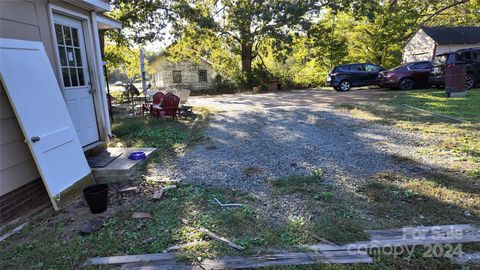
point(254, 138)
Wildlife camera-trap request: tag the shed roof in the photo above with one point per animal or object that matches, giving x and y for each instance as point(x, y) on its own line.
point(454, 35)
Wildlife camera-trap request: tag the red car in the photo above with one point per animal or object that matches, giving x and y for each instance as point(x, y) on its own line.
point(406, 76)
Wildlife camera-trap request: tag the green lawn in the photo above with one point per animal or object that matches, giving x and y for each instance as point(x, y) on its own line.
point(467, 108)
point(457, 141)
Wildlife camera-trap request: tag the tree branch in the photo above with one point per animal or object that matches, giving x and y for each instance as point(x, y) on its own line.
point(442, 10)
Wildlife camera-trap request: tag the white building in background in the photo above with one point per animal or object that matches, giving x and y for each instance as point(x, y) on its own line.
point(430, 41)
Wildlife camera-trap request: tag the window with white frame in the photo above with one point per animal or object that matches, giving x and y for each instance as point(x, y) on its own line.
point(68, 44)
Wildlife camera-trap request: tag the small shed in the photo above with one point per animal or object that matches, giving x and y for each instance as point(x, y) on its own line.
point(430, 41)
point(182, 74)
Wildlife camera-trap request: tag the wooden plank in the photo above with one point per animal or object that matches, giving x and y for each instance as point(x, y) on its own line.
point(115, 260)
point(10, 233)
point(183, 246)
point(446, 234)
point(157, 195)
point(308, 258)
point(140, 215)
point(467, 258)
point(412, 232)
point(216, 237)
point(159, 266)
point(169, 187)
point(221, 239)
point(259, 261)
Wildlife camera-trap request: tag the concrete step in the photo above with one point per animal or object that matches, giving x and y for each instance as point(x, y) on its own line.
point(122, 167)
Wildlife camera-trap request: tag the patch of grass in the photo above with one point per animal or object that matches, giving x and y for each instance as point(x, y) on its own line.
point(47, 247)
point(433, 200)
point(299, 183)
point(436, 101)
point(457, 143)
point(140, 132)
point(324, 196)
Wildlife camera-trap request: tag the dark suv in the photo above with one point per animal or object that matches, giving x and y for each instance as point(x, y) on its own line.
point(343, 77)
point(470, 58)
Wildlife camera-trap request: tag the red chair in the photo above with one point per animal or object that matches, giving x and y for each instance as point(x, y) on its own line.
point(170, 105)
point(156, 102)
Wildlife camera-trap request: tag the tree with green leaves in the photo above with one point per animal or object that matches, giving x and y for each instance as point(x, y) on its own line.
point(305, 38)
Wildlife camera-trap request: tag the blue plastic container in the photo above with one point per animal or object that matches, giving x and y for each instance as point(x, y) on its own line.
point(137, 155)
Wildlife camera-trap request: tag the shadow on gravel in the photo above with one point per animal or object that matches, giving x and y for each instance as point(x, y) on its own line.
point(294, 141)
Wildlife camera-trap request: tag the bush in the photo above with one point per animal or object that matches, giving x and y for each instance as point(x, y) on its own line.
point(119, 96)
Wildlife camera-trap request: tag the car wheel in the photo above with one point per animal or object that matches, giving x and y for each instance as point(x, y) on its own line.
point(469, 81)
point(344, 85)
point(406, 84)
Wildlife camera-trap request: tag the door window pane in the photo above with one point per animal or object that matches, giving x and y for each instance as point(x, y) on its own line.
point(67, 36)
point(78, 57)
point(73, 76)
point(59, 34)
point(63, 58)
point(66, 77)
point(70, 57)
point(75, 37)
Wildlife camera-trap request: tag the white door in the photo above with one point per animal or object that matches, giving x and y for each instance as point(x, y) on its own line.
point(75, 76)
point(31, 86)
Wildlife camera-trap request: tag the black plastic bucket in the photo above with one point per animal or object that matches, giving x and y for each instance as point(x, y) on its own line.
point(96, 197)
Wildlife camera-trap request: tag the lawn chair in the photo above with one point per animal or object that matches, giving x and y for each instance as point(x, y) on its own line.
point(184, 110)
point(155, 107)
point(169, 106)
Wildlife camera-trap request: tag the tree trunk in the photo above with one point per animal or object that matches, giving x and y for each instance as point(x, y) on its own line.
point(246, 57)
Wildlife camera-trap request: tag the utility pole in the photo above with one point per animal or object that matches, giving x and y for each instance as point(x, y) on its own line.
point(142, 71)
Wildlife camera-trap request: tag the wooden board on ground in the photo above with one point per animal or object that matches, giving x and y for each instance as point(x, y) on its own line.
point(467, 258)
point(115, 260)
point(140, 215)
point(221, 239)
point(259, 261)
point(308, 258)
point(410, 236)
point(184, 246)
point(157, 195)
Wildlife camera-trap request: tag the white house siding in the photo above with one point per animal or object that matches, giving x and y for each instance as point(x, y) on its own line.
point(17, 167)
point(163, 74)
point(420, 47)
point(443, 48)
